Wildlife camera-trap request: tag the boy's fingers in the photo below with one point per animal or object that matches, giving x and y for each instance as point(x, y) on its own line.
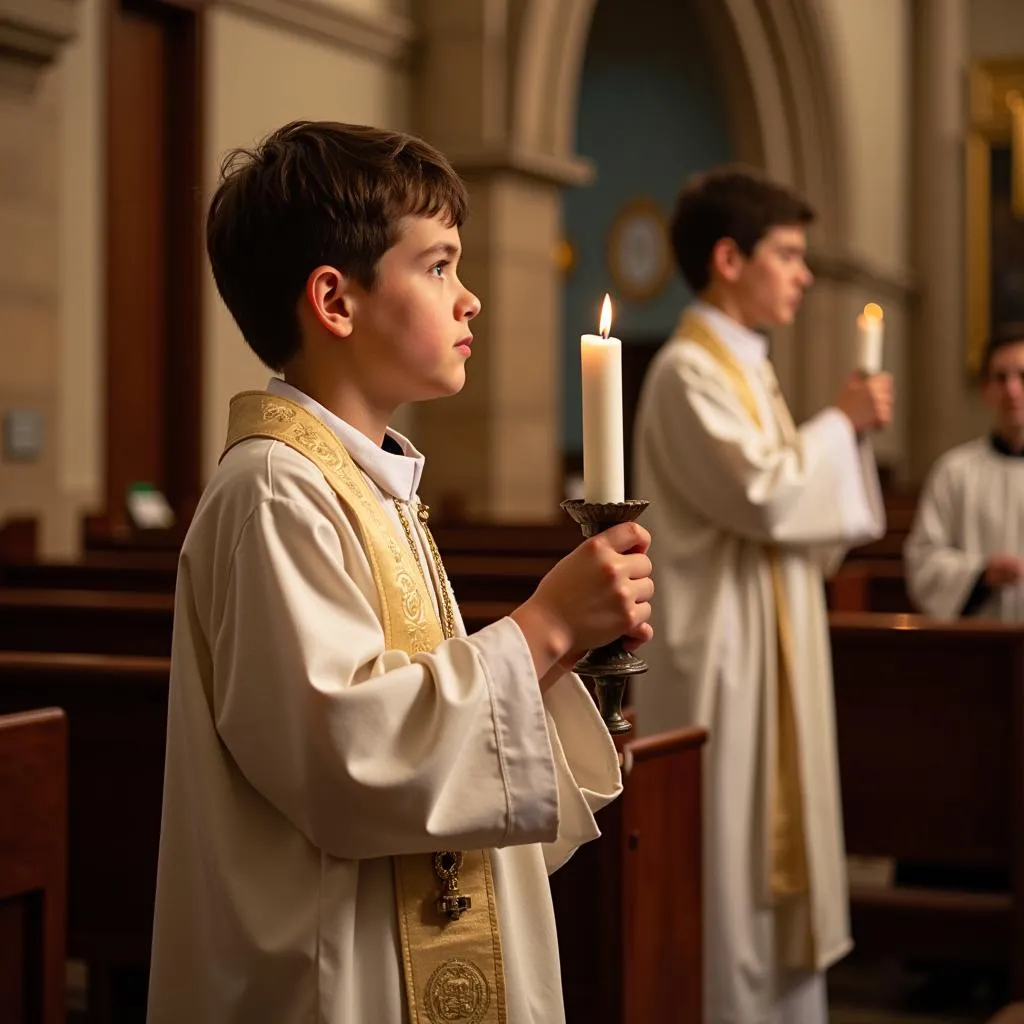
point(627, 538)
point(639, 567)
point(639, 636)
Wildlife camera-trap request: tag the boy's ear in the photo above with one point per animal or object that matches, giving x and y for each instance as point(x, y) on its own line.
point(727, 260)
point(329, 298)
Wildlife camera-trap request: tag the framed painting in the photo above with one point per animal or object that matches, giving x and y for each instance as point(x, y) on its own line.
point(995, 202)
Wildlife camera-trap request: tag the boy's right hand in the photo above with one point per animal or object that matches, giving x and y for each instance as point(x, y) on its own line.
point(594, 595)
point(867, 401)
point(1003, 570)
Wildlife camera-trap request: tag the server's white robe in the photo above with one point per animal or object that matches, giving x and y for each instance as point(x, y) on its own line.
point(971, 507)
point(301, 755)
point(723, 492)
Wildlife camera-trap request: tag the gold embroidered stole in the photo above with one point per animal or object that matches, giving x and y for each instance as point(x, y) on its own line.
point(452, 961)
point(787, 867)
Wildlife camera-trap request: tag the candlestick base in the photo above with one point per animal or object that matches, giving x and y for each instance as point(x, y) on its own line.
point(609, 666)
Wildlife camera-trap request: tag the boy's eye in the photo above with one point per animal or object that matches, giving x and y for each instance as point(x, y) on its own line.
point(438, 268)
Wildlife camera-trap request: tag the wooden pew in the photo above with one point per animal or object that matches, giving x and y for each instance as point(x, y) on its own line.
point(93, 622)
point(33, 866)
point(930, 722)
point(149, 573)
point(19, 539)
point(629, 902)
point(116, 713)
point(628, 905)
point(869, 585)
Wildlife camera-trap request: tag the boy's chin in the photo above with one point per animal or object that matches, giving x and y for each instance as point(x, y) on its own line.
point(445, 388)
point(784, 316)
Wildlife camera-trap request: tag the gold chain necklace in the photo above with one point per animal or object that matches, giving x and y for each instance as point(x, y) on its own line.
point(444, 601)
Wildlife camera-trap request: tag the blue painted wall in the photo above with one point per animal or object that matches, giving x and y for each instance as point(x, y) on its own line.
point(651, 113)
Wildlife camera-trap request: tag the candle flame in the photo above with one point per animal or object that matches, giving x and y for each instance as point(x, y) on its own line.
point(873, 311)
point(606, 316)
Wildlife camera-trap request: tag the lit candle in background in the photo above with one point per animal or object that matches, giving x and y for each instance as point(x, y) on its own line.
point(601, 364)
point(870, 330)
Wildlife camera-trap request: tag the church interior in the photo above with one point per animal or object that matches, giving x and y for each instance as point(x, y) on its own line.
point(573, 124)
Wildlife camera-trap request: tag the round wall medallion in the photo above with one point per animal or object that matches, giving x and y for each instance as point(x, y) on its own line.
point(639, 256)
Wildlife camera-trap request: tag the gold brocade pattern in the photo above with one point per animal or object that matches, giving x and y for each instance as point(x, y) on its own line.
point(454, 973)
point(787, 870)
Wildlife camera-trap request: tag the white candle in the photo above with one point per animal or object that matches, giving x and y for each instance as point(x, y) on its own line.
point(601, 363)
point(870, 330)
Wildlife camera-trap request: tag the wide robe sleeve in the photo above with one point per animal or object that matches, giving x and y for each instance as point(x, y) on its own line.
point(940, 576)
point(820, 491)
point(587, 773)
point(587, 766)
point(371, 752)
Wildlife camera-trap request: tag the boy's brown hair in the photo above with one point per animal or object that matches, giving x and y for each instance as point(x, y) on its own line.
point(315, 193)
point(1003, 336)
point(729, 202)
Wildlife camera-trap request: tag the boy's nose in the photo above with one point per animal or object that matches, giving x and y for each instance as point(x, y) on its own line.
point(471, 306)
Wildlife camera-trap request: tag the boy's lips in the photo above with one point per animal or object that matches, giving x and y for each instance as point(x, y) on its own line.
point(466, 343)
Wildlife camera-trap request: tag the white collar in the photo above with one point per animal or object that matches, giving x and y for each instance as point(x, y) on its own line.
point(396, 475)
point(746, 345)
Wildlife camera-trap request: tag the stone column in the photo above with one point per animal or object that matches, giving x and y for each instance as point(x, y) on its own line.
point(32, 35)
point(495, 451)
point(938, 346)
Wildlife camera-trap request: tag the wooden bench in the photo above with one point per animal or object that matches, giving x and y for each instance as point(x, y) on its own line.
point(79, 621)
point(150, 573)
point(930, 722)
point(631, 899)
point(869, 585)
point(33, 866)
point(116, 723)
point(628, 905)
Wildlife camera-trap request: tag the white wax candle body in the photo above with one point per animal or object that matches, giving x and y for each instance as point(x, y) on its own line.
point(603, 469)
point(869, 344)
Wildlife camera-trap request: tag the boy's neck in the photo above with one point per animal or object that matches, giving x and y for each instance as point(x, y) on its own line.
point(725, 302)
point(344, 400)
point(1012, 437)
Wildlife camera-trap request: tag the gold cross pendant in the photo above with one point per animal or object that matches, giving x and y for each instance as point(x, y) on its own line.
point(451, 903)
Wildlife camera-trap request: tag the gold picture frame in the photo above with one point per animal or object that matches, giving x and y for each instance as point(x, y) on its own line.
point(638, 251)
point(996, 134)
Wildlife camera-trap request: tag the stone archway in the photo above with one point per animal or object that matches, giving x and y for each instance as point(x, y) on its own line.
point(786, 117)
point(510, 131)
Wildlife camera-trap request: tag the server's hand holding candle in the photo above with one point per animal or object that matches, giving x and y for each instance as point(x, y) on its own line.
point(870, 332)
point(601, 364)
point(867, 398)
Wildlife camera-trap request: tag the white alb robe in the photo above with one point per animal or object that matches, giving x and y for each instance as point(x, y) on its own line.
point(971, 507)
point(301, 755)
point(723, 491)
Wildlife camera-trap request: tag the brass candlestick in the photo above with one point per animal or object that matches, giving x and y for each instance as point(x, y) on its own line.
point(612, 665)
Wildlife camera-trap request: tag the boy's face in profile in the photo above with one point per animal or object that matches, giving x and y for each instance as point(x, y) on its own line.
point(414, 323)
point(1004, 388)
point(769, 285)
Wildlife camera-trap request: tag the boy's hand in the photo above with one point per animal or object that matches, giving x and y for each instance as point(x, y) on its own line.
point(1003, 570)
point(867, 401)
point(599, 592)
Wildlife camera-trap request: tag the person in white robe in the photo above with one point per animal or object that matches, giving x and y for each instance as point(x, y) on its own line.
point(747, 513)
point(335, 740)
point(964, 556)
